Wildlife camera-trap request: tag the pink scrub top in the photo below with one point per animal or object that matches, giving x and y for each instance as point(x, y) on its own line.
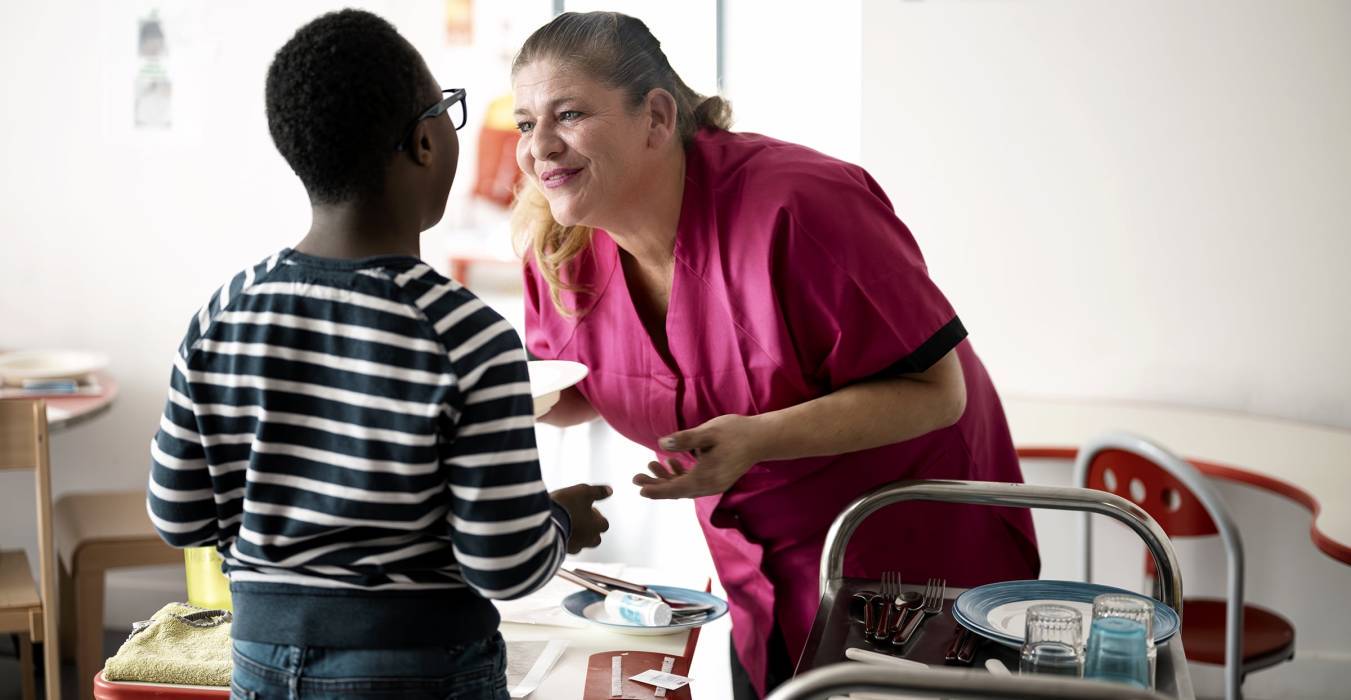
point(793, 278)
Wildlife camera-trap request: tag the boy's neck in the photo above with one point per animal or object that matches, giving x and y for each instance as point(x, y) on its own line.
point(351, 230)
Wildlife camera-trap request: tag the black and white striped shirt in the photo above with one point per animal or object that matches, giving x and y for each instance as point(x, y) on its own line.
point(355, 430)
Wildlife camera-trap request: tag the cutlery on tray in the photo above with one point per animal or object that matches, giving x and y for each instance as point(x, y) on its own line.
point(886, 602)
point(681, 611)
point(962, 649)
point(872, 657)
point(932, 605)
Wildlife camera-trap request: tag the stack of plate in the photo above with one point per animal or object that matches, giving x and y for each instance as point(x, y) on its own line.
point(16, 368)
point(999, 610)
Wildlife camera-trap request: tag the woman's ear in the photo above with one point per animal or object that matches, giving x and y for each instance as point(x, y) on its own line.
point(662, 117)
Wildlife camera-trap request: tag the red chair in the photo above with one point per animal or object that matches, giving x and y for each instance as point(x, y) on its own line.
point(1242, 637)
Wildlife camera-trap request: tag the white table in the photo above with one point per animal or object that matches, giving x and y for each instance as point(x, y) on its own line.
point(1309, 464)
point(567, 680)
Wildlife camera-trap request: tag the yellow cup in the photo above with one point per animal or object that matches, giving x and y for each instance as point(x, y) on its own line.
point(207, 585)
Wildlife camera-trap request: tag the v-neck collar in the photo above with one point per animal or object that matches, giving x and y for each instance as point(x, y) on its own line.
point(691, 205)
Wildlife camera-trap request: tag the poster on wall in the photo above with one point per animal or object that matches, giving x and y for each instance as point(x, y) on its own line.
point(159, 65)
point(459, 22)
point(153, 89)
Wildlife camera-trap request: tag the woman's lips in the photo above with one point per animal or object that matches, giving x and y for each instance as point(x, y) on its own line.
point(558, 177)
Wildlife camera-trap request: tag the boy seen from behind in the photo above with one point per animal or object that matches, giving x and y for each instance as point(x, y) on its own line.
point(352, 431)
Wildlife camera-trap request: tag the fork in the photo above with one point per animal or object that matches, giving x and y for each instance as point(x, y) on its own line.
point(933, 604)
point(891, 593)
point(875, 621)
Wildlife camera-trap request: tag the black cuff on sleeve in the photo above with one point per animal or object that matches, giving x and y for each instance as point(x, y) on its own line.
point(561, 517)
point(933, 350)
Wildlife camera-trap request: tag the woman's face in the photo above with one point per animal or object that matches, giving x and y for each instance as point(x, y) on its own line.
point(581, 144)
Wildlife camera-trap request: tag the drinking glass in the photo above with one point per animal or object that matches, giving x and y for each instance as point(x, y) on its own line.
point(1053, 641)
point(1138, 609)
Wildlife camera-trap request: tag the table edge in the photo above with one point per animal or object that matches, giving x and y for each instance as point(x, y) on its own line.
point(1324, 542)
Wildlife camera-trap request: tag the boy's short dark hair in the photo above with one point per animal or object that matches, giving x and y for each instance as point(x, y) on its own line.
point(339, 95)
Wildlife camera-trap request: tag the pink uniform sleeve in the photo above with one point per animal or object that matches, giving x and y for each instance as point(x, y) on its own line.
point(853, 286)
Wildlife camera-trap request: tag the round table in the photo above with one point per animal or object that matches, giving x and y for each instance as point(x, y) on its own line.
point(1309, 464)
point(66, 411)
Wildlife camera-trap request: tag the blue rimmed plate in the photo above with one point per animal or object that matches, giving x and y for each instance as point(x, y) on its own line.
point(999, 610)
point(590, 606)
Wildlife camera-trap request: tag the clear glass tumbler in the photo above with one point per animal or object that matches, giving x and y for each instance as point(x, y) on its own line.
point(1131, 607)
point(1053, 642)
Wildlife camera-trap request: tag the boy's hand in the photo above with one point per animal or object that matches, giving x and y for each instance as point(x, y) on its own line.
point(587, 522)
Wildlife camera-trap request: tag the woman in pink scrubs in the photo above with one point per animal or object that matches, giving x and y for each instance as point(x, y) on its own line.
point(755, 313)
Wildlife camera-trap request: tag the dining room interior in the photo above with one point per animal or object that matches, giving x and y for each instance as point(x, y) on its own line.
point(1139, 210)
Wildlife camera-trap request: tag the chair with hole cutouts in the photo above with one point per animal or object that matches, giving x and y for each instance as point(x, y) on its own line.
point(1242, 637)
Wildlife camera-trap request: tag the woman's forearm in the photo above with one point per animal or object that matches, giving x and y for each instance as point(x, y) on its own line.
point(865, 415)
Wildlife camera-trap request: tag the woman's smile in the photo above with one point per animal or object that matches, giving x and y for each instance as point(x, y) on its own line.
point(556, 178)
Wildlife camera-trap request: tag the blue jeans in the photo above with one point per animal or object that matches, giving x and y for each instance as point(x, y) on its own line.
point(473, 671)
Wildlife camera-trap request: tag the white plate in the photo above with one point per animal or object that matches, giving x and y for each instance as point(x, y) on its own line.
point(589, 606)
point(548, 379)
point(49, 364)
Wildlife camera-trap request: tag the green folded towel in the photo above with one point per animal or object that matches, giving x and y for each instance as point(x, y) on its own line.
point(181, 644)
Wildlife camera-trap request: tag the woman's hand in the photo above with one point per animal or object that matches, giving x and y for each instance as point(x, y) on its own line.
point(723, 449)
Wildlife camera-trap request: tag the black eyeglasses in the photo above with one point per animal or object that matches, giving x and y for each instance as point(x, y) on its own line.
point(452, 97)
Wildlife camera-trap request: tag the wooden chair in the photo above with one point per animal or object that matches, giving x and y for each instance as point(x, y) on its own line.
point(1242, 637)
point(27, 609)
point(96, 532)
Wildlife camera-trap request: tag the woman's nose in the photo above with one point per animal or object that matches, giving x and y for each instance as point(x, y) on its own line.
point(544, 143)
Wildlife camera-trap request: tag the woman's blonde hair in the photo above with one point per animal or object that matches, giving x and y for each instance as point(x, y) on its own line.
point(619, 51)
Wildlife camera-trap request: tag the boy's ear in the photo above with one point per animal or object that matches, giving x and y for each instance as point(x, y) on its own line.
point(420, 143)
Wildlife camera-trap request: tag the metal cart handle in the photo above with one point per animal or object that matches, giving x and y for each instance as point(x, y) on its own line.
point(1168, 585)
point(837, 679)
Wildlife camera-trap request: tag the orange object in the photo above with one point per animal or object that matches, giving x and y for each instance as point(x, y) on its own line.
point(497, 174)
point(124, 690)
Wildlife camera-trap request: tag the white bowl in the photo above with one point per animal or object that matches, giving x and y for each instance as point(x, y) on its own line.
point(548, 379)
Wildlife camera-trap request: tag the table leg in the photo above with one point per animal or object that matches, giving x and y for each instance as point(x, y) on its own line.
point(66, 586)
point(26, 669)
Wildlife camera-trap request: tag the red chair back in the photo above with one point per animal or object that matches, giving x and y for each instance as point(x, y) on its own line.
point(1153, 488)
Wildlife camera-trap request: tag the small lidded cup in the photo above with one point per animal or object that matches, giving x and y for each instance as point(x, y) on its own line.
point(1053, 641)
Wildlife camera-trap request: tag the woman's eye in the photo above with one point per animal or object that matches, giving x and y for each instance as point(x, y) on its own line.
point(568, 115)
point(524, 127)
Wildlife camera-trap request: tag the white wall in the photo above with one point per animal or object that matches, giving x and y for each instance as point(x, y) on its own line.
point(793, 71)
point(1140, 200)
point(1143, 200)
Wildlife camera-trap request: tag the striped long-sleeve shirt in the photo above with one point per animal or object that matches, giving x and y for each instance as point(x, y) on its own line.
point(356, 439)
